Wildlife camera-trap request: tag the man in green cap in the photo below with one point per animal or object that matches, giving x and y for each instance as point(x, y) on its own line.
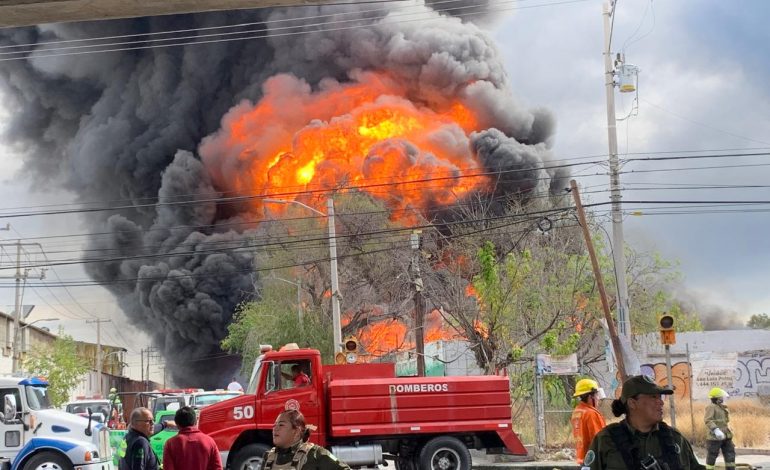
point(642, 441)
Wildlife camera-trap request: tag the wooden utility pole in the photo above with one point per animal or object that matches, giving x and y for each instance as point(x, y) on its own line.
point(599, 283)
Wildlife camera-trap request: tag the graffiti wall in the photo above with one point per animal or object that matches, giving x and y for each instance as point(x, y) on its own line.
point(680, 375)
point(751, 373)
point(741, 375)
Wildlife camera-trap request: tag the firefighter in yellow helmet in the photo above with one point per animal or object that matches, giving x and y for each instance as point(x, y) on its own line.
point(586, 418)
point(720, 437)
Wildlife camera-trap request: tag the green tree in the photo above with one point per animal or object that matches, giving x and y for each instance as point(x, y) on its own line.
point(759, 322)
point(60, 364)
point(274, 320)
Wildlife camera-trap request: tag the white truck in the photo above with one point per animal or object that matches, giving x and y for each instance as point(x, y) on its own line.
point(39, 437)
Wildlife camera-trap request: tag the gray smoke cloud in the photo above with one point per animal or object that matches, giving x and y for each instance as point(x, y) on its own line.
point(712, 317)
point(125, 128)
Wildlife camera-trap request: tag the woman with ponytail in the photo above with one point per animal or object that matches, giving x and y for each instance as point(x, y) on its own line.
point(292, 450)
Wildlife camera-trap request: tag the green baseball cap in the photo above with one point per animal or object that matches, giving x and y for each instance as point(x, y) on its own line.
point(642, 385)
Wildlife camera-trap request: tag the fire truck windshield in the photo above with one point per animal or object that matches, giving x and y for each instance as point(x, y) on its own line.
point(37, 397)
point(252, 388)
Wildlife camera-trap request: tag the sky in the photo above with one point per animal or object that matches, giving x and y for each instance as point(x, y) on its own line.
point(702, 89)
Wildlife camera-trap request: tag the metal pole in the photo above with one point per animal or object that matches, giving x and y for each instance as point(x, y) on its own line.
point(336, 324)
point(539, 411)
point(689, 379)
point(670, 385)
point(99, 356)
point(148, 366)
point(17, 314)
point(618, 244)
point(299, 301)
point(99, 359)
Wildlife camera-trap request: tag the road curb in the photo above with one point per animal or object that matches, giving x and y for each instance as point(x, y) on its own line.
point(527, 465)
point(749, 451)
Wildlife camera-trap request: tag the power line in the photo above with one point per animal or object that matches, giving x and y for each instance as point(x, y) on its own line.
point(399, 245)
point(319, 30)
point(307, 192)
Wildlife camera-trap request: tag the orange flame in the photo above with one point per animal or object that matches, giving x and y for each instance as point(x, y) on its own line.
point(393, 335)
point(367, 134)
point(470, 291)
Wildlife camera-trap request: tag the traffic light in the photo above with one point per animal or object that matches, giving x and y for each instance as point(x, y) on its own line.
point(349, 353)
point(667, 331)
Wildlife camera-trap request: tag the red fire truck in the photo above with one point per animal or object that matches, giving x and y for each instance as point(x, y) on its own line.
point(365, 414)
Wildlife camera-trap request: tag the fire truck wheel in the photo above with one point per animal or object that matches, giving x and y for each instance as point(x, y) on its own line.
point(445, 453)
point(249, 457)
point(47, 461)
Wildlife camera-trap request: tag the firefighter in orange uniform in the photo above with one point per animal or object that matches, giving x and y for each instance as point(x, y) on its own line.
point(587, 421)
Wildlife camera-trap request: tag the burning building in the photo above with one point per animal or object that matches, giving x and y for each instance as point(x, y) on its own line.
point(183, 137)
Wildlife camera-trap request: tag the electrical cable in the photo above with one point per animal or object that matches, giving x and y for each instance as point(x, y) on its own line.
point(271, 35)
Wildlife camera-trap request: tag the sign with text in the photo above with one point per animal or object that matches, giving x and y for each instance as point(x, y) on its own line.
point(712, 370)
point(557, 365)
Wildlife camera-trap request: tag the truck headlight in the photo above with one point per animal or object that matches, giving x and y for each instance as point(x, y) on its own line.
point(91, 455)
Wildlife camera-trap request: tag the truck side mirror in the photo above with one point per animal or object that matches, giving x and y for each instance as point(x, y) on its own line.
point(9, 408)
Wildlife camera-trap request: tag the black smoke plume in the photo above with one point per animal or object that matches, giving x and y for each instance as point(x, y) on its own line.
point(124, 128)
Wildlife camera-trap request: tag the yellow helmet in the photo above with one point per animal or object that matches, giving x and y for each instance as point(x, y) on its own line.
point(585, 386)
point(717, 392)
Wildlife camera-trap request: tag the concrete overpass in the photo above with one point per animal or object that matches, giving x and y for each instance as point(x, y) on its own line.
point(30, 12)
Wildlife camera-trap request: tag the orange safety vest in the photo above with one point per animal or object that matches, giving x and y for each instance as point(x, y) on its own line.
point(587, 421)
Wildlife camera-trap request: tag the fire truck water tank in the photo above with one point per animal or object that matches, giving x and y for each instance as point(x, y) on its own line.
point(359, 456)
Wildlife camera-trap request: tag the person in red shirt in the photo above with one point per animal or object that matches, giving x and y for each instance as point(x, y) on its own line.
point(587, 421)
point(298, 378)
point(190, 449)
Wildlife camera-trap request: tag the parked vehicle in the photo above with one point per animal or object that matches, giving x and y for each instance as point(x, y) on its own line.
point(99, 407)
point(201, 400)
point(37, 436)
point(365, 414)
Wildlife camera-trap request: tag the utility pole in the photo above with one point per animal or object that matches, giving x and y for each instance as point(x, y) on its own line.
point(16, 353)
point(99, 366)
point(141, 368)
point(599, 282)
point(149, 350)
point(17, 311)
point(618, 244)
point(336, 322)
point(419, 306)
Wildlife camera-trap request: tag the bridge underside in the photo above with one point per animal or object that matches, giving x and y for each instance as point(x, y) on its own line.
point(30, 12)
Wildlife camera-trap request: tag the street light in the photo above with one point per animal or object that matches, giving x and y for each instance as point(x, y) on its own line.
point(16, 353)
point(336, 324)
point(298, 285)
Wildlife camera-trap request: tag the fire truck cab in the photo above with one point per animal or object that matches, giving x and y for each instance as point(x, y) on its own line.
point(365, 414)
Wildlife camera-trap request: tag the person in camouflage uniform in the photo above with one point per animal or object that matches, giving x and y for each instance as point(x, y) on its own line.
point(292, 451)
point(642, 440)
point(720, 436)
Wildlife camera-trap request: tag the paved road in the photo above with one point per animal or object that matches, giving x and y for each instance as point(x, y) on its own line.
point(483, 462)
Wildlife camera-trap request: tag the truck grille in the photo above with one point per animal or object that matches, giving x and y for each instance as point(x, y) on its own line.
point(105, 450)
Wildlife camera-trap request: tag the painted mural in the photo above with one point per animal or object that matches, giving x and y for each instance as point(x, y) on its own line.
point(680, 376)
point(752, 373)
point(741, 375)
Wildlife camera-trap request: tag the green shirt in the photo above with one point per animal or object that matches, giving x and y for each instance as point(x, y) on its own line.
point(602, 454)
